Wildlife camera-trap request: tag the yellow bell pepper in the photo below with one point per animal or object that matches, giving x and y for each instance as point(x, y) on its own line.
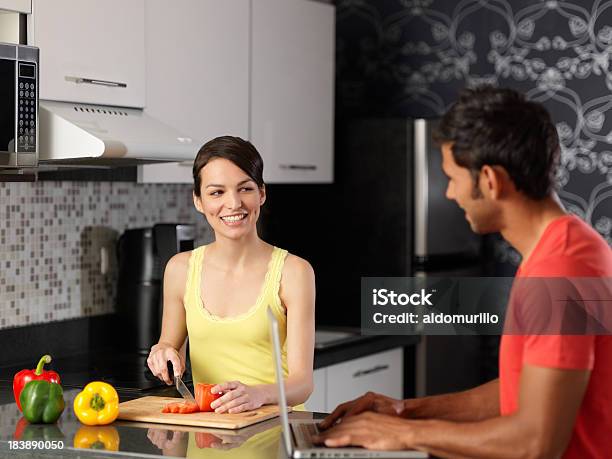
point(97, 404)
point(103, 438)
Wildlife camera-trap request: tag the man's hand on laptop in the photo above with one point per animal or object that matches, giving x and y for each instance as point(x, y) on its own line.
point(370, 430)
point(367, 402)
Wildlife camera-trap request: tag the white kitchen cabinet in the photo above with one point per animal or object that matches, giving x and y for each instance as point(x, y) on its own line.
point(197, 56)
point(269, 78)
point(91, 51)
point(166, 173)
point(382, 373)
point(318, 399)
point(292, 89)
point(20, 6)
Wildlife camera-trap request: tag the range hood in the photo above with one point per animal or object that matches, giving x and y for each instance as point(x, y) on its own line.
point(78, 134)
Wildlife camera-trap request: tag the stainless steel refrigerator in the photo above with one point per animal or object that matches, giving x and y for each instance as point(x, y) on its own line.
point(386, 214)
point(416, 231)
point(444, 246)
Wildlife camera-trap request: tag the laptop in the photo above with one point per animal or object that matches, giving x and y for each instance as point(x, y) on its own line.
point(297, 434)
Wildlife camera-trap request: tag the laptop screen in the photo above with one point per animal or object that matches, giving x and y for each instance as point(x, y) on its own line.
point(278, 369)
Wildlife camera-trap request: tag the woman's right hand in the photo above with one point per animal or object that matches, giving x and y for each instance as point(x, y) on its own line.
point(158, 362)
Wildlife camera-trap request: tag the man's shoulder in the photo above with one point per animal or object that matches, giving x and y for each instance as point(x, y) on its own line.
point(570, 248)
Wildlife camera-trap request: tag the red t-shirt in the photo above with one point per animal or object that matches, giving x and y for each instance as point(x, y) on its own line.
point(568, 248)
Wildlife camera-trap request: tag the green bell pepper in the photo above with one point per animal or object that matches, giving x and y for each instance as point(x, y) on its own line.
point(42, 401)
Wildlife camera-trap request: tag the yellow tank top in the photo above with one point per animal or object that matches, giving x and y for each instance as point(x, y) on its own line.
point(234, 348)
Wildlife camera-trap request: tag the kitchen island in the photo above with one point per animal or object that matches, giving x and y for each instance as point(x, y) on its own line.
point(140, 439)
point(68, 438)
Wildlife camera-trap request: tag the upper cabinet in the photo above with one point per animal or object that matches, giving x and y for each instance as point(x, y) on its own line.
point(197, 57)
point(91, 51)
point(197, 73)
point(259, 69)
point(292, 89)
point(20, 6)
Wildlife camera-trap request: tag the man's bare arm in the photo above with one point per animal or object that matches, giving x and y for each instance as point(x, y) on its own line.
point(549, 401)
point(542, 427)
point(476, 404)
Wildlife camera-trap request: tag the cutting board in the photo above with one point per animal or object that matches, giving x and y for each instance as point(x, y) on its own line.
point(148, 409)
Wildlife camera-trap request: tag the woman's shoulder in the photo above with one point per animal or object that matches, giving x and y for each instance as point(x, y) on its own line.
point(179, 263)
point(181, 258)
point(297, 283)
point(297, 267)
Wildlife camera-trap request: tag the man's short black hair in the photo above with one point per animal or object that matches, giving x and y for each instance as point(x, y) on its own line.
point(495, 126)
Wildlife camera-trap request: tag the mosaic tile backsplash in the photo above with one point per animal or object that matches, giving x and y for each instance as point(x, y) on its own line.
point(52, 235)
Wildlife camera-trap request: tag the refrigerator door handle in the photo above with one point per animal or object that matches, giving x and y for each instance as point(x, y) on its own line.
point(421, 187)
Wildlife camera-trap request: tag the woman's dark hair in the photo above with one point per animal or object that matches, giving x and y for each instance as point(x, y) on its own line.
point(241, 152)
point(495, 126)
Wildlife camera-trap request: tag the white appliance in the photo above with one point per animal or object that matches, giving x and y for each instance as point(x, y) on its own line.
point(85, 134)
point(59, 131)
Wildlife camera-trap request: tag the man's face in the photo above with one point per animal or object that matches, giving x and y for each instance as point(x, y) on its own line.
point(481, 212)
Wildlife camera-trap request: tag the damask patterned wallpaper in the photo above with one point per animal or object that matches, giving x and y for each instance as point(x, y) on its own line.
point(411, 57)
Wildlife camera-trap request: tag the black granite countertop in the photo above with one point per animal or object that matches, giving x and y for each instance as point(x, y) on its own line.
point(261, 440)
point(360, 347)
point(128, 371)
point(133, 439)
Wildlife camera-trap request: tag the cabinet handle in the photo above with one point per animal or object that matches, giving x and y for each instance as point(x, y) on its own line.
point(369, 371)
point(303, 167)
point(112, 84)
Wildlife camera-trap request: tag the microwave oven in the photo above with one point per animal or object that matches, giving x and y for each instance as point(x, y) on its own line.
point(18, 106)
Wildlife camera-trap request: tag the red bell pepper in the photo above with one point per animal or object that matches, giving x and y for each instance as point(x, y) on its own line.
point(204, 397)
point(25, 376)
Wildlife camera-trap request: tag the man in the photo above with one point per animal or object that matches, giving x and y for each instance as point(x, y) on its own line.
point(554, 393)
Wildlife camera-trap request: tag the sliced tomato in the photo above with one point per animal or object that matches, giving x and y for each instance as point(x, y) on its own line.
point(204, 397)
point(180, 408)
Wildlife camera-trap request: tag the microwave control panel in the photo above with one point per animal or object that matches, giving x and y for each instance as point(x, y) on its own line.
point(26, 107)
point(18, 106)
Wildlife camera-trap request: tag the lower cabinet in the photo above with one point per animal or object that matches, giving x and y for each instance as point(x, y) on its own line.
point(382, 373)
point(316, 401)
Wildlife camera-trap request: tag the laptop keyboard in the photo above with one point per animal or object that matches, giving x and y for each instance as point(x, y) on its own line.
point(305, 432)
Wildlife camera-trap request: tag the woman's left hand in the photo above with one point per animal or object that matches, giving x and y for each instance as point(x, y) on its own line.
point(237, 397)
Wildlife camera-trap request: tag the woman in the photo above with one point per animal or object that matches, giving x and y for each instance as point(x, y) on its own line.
point(218, 293)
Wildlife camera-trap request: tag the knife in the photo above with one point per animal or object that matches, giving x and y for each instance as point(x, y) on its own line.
point(182, 388)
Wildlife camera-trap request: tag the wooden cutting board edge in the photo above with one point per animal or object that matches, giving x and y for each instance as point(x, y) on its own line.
point(226, 421)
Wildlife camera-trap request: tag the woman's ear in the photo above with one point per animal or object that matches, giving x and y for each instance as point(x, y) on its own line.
point(262, 195)
point(197, 202)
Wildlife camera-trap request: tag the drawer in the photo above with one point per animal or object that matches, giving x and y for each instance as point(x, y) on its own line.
point(382, 373)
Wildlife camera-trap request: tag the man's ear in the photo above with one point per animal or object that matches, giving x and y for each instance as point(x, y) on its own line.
point(197, 203)
point(491, 181)
point(262, 195)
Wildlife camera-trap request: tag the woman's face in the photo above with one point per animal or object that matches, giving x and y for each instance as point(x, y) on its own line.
point(229, 199)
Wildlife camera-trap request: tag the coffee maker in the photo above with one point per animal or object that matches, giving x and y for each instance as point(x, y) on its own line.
point(142, 255)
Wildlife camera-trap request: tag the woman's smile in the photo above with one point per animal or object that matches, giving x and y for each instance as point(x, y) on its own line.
point(235, 219)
